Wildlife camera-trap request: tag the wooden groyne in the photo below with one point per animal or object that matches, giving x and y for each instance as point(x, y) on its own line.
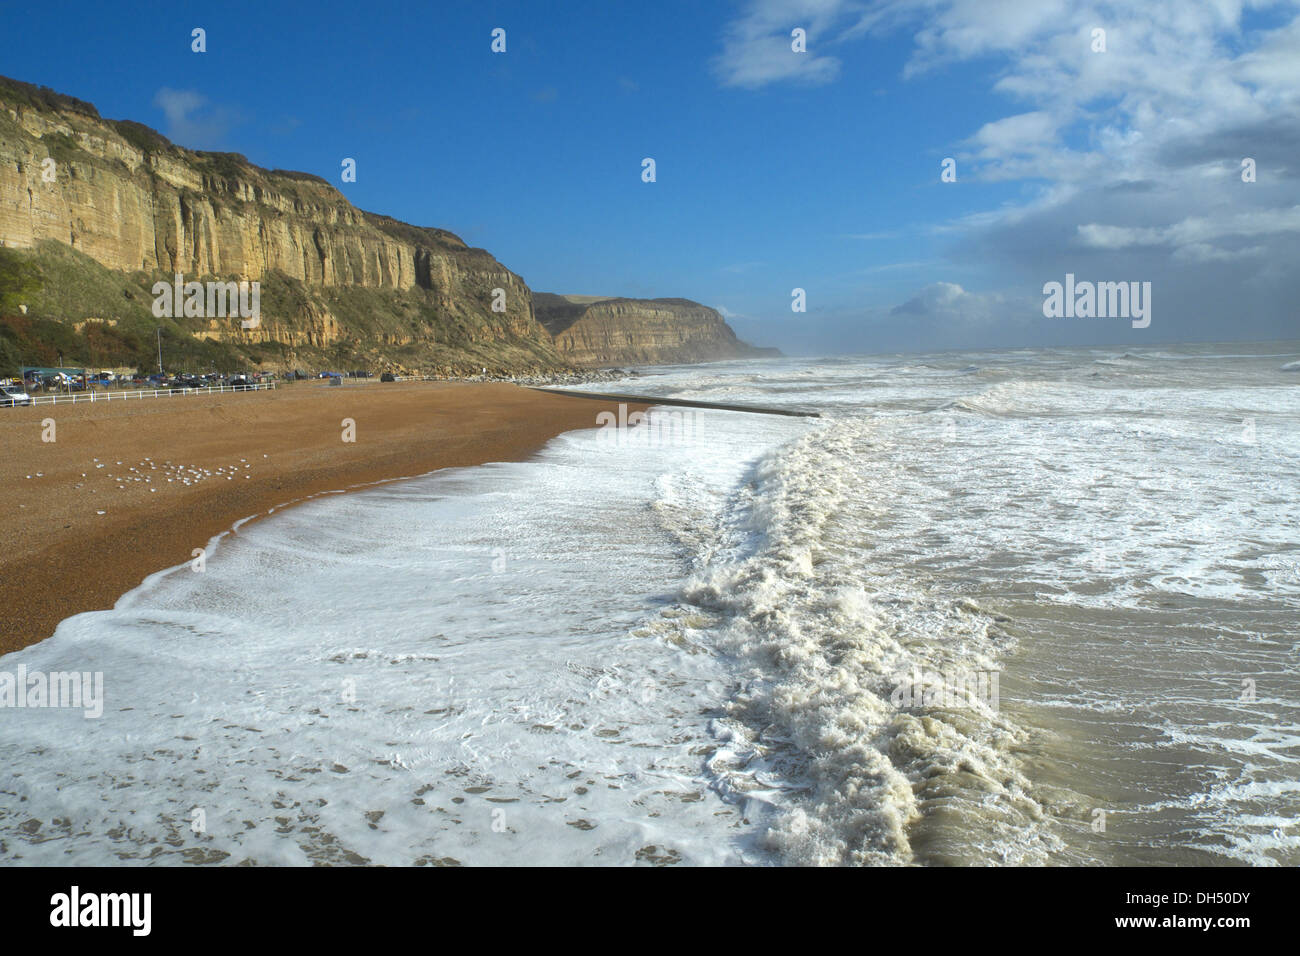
point(683, 402)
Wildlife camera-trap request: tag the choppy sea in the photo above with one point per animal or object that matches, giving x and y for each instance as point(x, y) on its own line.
point(1026, 607)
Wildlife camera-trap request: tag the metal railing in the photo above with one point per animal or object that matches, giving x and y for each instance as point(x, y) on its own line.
point(107, 396)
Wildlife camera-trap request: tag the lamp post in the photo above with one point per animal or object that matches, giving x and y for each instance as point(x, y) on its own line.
point(160, 350)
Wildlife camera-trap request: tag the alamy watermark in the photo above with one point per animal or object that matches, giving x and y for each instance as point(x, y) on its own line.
point(1099, 300)
point(130, 910)
point(82, 690)
point(665, 427)
point(208, 300)
point(951, 691)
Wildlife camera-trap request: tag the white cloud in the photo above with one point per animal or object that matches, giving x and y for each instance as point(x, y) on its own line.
point(949, 302)
point(756, 47)
point(1130, 159)
point(1022, 133)
point(1197, 231)
point(177, 105)
point(1134, 138)
point(190, 122)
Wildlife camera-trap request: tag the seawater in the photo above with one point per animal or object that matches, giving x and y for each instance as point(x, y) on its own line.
point(697, 645)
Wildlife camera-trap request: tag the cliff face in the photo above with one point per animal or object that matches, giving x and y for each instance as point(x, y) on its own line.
point(594, 331)
point(337, 277)
point(98, 210)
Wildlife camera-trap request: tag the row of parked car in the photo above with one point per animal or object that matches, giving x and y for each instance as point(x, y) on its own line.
point(54, 382)
point(19, 392)
point(185, 380)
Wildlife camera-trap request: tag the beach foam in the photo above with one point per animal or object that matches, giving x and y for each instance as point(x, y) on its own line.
point(707, 649)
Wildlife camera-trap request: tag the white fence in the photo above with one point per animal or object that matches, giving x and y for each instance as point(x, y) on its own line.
point(106, 396)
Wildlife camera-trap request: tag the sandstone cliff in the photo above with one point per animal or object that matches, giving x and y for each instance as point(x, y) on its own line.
point(338, 284)
point(595, 331)
point(93, 212)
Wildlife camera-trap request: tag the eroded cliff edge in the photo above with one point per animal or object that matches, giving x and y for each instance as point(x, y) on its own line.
point(94, 211)
point(99, 209)
point(598, 331)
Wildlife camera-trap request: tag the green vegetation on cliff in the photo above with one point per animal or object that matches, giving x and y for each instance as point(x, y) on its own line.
point(97, 317)
point(114, 323)
point(85, 238)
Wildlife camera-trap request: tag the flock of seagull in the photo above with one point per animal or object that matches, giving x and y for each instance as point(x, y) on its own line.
point(148, 470)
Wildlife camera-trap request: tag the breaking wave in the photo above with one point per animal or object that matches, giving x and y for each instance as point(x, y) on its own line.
point(813, 738)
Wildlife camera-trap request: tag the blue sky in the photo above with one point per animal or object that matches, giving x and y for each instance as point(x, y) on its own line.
point(775, 170)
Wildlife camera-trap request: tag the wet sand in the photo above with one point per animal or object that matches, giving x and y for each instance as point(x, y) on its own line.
point(242, 453)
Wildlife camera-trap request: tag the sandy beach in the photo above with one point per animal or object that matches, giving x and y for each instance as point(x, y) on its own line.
point(127, 488)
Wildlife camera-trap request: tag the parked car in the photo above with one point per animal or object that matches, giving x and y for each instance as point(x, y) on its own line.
point(60, 382)
point(12, 395)
point(388, 377)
